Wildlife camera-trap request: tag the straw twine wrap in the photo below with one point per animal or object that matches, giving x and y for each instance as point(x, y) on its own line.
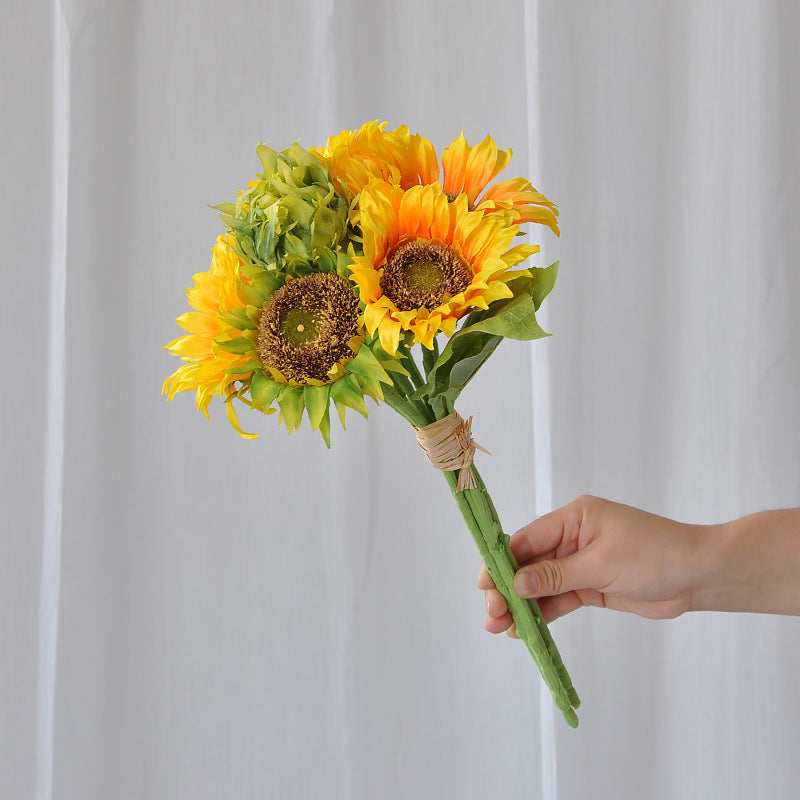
point(449, 446)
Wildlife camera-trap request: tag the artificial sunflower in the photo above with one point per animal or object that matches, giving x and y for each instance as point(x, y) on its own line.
point(354, 158)
point(427, 261)
point(266, 337)
point(312, 350)
point(291, 218)
point(469, 170)
point(209, 368)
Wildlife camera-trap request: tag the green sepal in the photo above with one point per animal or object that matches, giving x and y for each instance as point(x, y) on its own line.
point(268, 158)
point(245, 245)
point(317, 399)
point(341, 409)
point(347, 392)
point(225, 208)
point(388, 362)
point(367, 365)
point(241, 345)
point(325, 426)
point(291, 403)
point(369, 386)
point(235, 223)
point(295, 246)
point(252, 296)
point(243, 369)
point(239, 318)
point(326, 226)
point(263, 390)
point(253, 314)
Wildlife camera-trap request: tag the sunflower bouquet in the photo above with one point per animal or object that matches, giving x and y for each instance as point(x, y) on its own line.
point(363, 269)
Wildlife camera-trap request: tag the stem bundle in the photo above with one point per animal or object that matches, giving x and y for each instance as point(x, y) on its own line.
point(483, 523)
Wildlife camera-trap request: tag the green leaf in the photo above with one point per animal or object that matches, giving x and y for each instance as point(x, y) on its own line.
point(514, 318)
point(539, 285)
point(458, 363)
point(482, 331)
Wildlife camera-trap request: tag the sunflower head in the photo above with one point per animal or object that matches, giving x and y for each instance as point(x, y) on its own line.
point(312, 351)
point(306, 328)
point(427, 261)
point(398, 157)
point(291, 216)
point(219, 349)
point(354, 158)
point(268, 339)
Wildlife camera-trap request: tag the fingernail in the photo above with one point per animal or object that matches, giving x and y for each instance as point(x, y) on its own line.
point(526, 584)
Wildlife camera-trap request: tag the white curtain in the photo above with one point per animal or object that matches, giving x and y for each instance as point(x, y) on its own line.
point(187, 614)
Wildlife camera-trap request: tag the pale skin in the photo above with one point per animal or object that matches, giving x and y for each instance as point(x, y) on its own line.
point(595, 552)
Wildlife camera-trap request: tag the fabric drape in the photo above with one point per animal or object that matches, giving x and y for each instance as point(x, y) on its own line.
point(188, 614)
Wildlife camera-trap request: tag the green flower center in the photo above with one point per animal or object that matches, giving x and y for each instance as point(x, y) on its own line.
point(426, 276)
point(423, 274)
point(306, 326)
point(300, 327)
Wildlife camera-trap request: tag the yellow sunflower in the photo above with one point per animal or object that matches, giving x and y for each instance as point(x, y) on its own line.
point(209, 369)
point(469, 170)
point(427, 261)
point(354, 158)
point(264, 338)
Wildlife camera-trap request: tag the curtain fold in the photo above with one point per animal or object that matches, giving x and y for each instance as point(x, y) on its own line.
point(271, 619)
point(669, 137)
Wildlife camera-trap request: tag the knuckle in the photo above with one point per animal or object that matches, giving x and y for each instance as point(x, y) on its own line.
point(588, 503)
point(551, 577)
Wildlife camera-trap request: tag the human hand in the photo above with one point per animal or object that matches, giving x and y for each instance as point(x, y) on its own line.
point(594, 552)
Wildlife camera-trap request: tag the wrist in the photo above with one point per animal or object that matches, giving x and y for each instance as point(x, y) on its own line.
point(750, 564)
point(715, 582)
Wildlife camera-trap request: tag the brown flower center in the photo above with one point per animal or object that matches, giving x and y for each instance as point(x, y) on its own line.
point(307, 325)
point(423, 274)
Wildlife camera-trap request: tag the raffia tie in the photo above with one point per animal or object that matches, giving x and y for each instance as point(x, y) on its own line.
point(449, 445)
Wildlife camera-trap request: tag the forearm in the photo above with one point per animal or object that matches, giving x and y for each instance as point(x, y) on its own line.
point(752, 564)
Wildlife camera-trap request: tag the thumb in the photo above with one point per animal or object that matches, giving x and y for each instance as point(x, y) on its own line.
point(556, 576)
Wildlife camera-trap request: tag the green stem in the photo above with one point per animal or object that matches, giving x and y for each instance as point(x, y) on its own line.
point(402, 392)
point(416, 412)
point(411, 366)
point(544, 630)
point(429, 357)
point(483, 523)
point(477, 511)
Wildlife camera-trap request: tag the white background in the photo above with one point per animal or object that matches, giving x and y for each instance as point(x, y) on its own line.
point(189, 615)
